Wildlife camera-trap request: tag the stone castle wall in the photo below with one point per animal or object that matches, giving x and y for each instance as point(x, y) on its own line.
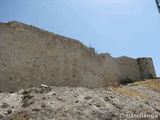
point(136, 69)
point(30, 56)
point(129, 68)
point(146, 68)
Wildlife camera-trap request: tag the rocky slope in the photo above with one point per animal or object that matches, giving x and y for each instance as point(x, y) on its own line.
point(136, 101)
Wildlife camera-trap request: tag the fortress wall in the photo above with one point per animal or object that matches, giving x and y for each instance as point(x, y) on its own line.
point(30, 56)
point(110, 68)
point(129, 68)
point(146, 68)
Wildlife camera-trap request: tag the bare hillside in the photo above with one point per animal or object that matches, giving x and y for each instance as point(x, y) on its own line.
point(137, 101)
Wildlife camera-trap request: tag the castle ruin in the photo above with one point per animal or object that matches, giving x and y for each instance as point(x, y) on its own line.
point(30, 56)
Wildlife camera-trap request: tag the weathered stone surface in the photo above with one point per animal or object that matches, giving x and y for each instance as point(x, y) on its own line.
point(146, 68)
point(30, 56)
point(129, 68)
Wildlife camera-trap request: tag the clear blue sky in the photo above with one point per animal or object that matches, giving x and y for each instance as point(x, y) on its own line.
point(119, 27)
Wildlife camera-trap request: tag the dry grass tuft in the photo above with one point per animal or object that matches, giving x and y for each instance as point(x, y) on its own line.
point(112, 84)
point(21, 116)
point(153, 84)
point(130, 92)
